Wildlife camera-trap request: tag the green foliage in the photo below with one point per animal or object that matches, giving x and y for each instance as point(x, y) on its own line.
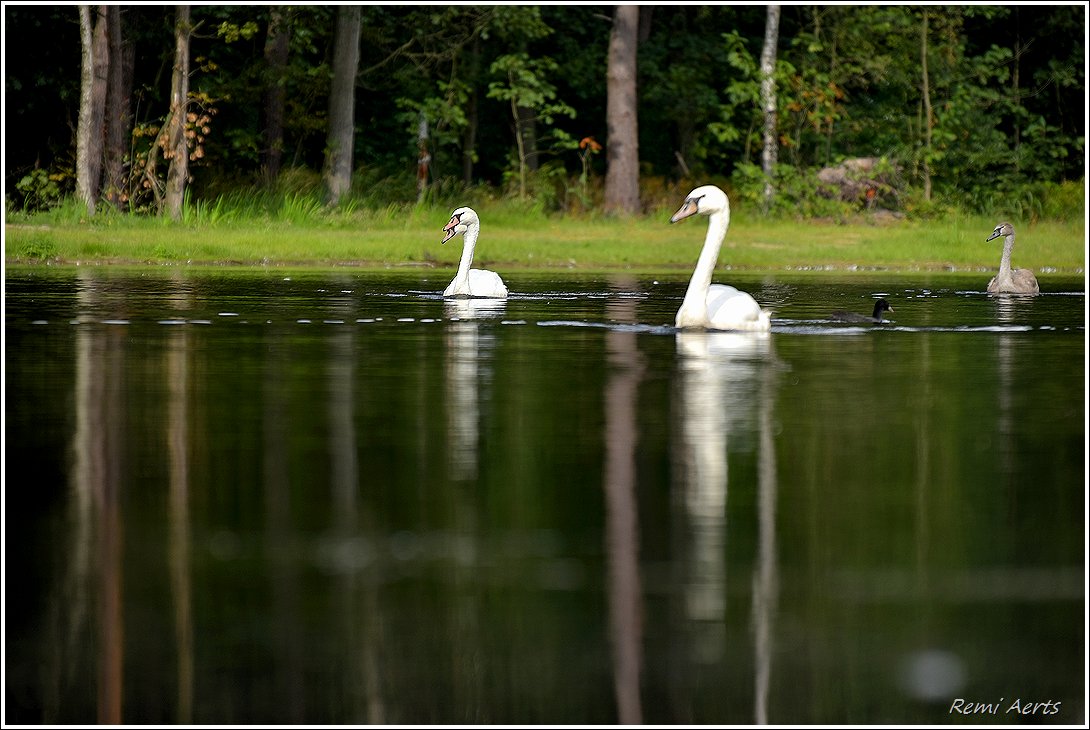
point(1036, 201)
point(797, 193)
point(41, 190)
point(700, 88)
point(524, 84)
point(523, 81)
point(1007, 87)
point(236, 74)
point(547, 187)
point(516, 24)
point(445, 112)
point(739, 116)
point(231, 32)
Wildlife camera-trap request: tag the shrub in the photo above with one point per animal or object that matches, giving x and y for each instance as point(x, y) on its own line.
point(41, 190)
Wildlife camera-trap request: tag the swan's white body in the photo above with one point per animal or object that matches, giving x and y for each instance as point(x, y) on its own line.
point(715, 306)
point(470, 282)
point(1008, 280)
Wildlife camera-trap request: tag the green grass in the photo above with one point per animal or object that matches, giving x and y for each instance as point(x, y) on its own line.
point(298, 231)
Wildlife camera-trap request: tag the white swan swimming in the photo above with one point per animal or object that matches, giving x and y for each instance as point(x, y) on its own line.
point(715, 306)
point(470, 282)
point(1008, 280)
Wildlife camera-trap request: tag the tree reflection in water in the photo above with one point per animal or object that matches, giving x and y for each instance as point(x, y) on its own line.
point(626, 369)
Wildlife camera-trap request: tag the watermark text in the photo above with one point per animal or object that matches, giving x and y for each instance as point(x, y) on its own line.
point(1016, 707)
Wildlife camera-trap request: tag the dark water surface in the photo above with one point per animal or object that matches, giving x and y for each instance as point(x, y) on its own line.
point(333, 497)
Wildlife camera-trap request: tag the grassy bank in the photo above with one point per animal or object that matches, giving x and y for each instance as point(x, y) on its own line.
point(514, 237)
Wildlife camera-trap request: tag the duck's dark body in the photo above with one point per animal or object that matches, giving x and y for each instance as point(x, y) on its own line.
point(880, 307)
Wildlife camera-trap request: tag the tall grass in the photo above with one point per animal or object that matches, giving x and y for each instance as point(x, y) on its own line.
point(300, 208)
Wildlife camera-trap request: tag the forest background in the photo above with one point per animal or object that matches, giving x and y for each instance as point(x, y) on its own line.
point(974, 110)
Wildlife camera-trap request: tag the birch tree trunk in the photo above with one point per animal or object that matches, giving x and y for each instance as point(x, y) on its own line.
point(92, 107)
point(622, 193)
point(346, 59)
point(83, 131)
point(768, 101)
point(177, 150)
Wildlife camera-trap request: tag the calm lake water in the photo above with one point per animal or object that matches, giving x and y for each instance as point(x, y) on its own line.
point(333, 497)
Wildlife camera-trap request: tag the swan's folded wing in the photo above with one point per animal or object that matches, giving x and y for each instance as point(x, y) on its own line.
point(485, 283)
point(729, 308)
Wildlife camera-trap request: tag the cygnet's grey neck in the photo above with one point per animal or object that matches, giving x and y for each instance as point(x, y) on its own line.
point(1005, 262)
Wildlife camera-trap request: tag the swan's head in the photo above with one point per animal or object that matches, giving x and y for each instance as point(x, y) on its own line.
point(705, 200)
point(460, 221)
point(1003, 229)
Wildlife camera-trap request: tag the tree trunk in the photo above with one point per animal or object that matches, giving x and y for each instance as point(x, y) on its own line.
point(423, 158)
point(520, 145)
point(768, 100)
point(84, 186)
point(100, 45)
point(622, 193)
point(92, 108)
point(469, 137)
point(118, 110)
point(276, 61)
point(646, 12)
point(1016, 93)
point(177, 150)
point(527, 131)
point(926, 111)
point(339, 142)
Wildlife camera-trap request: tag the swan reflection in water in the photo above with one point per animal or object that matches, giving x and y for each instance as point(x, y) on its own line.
point(1008, 311)
point(467, 347)
point(725, 400)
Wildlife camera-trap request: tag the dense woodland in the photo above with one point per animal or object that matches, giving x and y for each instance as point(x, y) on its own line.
point(974, 107)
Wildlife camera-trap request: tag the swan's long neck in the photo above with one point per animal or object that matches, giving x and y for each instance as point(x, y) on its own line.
point(1005, 262)
point(469, 242)
point(696, 295)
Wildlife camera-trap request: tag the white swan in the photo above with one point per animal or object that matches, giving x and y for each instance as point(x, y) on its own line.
point(715, 306)
point(470, 282)
point(1008, 280)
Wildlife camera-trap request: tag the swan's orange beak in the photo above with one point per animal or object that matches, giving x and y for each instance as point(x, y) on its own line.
point(687, 209)
point(448, 229)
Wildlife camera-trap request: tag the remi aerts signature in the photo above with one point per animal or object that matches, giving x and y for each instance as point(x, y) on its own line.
point(1018, 706)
